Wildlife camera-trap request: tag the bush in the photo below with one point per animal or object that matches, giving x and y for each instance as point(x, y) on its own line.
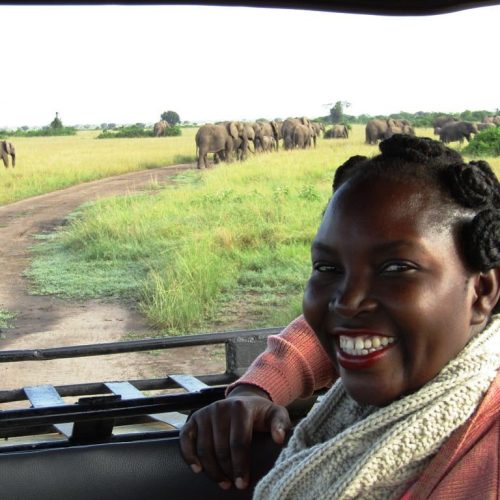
point(44, 132)
point(130, 131)
point(486, 143)
point(135, 131)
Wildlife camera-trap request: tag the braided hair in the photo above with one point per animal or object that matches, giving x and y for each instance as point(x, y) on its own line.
point(471, 188)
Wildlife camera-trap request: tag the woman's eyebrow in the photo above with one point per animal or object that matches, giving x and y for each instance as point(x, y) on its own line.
point(382, 247)
point(321, 247)
point(396, 245)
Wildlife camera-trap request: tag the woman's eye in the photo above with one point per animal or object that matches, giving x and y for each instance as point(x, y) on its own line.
point(326, 268)
point(397, 267)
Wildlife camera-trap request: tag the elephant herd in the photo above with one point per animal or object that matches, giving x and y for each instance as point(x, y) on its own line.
point(233, 139)
point(448, 128)
point(451, 129)
point(6, 149)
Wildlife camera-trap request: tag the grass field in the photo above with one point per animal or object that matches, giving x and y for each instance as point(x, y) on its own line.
point(45, 164)
point(226, 247)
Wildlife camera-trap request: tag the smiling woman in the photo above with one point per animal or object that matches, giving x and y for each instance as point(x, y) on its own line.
point(404, 306)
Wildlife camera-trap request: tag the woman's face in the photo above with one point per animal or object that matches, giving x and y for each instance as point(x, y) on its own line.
point(389, 297)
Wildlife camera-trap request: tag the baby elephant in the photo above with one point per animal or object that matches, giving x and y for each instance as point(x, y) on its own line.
point(7, 148)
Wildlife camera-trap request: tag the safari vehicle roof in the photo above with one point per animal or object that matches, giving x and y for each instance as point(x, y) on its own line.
point(378, 7)
point(381, 7)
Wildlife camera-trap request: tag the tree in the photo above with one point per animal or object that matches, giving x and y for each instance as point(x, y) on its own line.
point(56, 122)
point(171, 117)
point(337, 112)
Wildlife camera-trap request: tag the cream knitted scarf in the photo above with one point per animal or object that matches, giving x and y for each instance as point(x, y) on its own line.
point(342, 450)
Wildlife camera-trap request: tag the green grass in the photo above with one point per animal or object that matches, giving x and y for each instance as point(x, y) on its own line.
point(6, 319)
point(45, 164)
point(225, 247)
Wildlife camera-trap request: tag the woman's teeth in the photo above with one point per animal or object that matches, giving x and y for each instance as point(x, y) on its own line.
point(361, 346)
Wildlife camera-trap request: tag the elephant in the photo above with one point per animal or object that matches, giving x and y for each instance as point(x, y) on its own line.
point(375, 131)
point(302, 136)
point(268, 143)
point(265, 129)
point(221, 139)
point(440, 121)
point(485, 125)
point(287, 130)
point(160, 127)
point(398, 127)
point(318, 127)
point(495, 120)
point(457, 131)
point(249, 127)
point(312, 135)
point(7, 148)
point(338, 131)
point(378, 130)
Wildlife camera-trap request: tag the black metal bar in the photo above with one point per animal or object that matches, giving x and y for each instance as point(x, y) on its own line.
point(109, 409)
point(100, 387)
point(130, 346)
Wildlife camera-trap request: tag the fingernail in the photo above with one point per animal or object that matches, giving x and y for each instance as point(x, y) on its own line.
point(196, 468)
point(240, 483)
point(225, 485)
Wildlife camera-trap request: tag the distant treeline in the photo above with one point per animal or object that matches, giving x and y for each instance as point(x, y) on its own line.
point(418, 119)
point(38, 132)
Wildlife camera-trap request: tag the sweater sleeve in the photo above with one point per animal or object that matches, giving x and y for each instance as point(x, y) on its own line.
point(293, 365)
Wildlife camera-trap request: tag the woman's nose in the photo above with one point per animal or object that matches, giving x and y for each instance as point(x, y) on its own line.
point(352, 298)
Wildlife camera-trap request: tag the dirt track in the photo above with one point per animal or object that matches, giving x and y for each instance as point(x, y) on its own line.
point(46, 321)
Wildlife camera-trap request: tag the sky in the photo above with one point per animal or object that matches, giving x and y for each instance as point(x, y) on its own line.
point(125, 64)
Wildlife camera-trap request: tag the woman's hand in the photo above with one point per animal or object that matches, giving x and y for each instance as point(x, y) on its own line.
point(217, 439)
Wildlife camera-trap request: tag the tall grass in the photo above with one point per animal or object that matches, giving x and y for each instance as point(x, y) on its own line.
point(227, 246)
point(46, 164)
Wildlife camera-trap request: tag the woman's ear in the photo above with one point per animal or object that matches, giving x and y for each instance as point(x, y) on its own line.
point(487, 288)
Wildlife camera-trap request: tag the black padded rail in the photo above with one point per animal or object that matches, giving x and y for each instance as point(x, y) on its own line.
point(141, 470)
point(380, 7)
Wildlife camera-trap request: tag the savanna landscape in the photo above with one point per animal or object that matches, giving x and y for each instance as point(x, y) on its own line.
point(115, 239)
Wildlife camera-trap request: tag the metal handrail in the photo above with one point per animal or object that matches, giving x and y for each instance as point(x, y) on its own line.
point(131, 346)
point(106, 409)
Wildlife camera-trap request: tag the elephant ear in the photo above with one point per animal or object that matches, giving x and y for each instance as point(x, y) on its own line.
point(250, 132)
point(232, 128)
point(274, 126)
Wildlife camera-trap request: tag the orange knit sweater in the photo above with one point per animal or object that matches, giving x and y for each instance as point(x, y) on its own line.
point(293, 366)
point(467, 467)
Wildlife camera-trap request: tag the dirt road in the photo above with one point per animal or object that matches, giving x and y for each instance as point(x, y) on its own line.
point(46, 321)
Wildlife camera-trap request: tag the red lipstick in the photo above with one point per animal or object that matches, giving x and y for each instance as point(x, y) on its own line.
point(350, 362)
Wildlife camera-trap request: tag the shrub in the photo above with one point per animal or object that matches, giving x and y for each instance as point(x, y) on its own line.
point(129, 131)
point(173, 131)
point(486, 143)
point(134, 131)
point(44, 132)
